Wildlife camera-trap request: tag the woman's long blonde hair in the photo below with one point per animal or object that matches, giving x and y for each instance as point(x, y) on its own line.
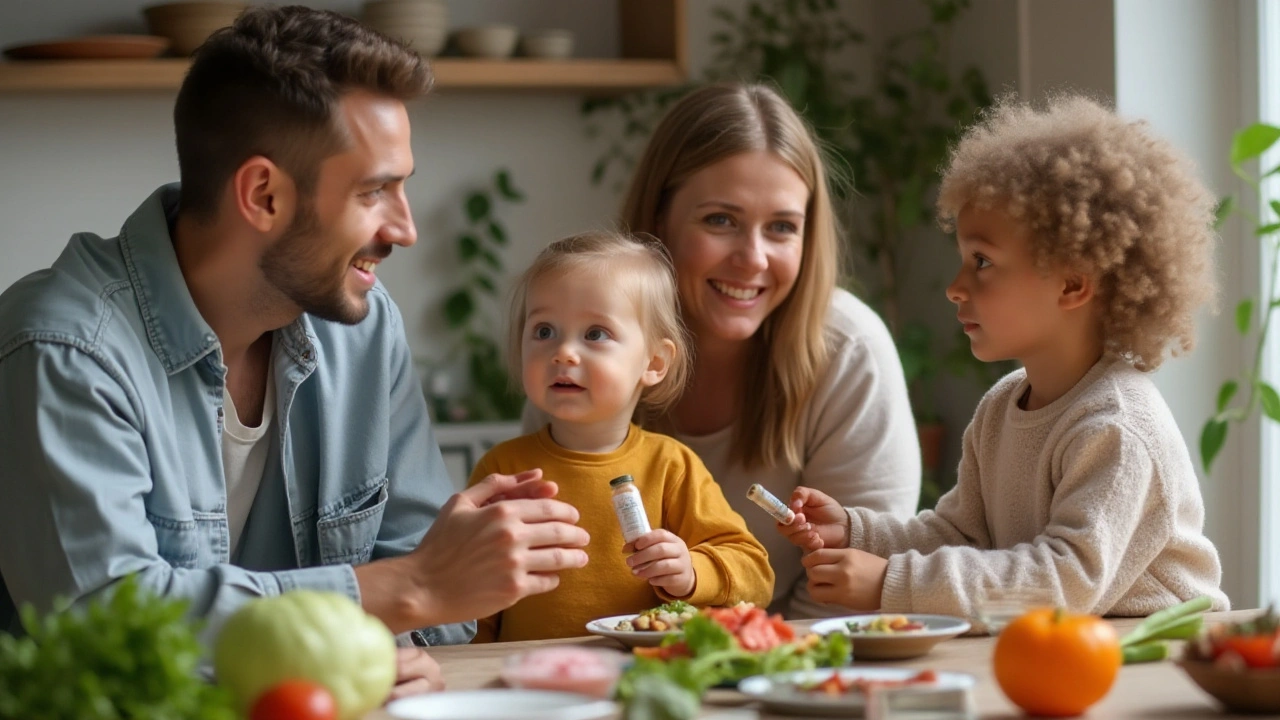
point(791, 348)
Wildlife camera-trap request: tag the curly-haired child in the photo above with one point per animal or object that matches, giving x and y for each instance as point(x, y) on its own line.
point(595, 333)
point(1086, 245)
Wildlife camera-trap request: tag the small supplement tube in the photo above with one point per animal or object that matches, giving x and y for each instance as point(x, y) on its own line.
point(629, 508)
point(770, 504)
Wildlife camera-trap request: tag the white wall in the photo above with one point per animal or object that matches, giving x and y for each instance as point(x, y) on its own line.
point(1179, 64)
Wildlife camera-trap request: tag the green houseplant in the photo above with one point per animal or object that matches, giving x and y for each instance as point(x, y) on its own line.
point(471, 310)
point(1240, 397)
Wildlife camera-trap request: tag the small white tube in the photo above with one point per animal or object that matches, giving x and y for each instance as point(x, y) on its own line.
point(770, 504)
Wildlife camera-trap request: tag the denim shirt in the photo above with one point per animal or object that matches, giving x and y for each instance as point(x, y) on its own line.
point(111, 389)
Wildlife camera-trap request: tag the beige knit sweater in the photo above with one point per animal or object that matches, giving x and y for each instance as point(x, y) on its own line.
point(1093, 497)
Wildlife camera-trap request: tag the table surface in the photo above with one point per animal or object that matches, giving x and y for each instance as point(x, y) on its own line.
point(1154, 690)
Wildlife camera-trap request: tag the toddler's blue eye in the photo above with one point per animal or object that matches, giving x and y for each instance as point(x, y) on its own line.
point(597, 334)
point(542, 332)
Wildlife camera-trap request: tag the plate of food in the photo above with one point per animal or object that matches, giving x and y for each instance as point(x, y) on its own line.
point(893, 637)
point(844, 691)
point(647, 628)
point(493, 704)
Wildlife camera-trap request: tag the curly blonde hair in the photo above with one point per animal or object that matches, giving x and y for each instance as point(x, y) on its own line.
point(1104, 196)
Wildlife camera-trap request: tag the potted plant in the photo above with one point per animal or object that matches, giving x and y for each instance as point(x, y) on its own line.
point(471, 313)
point(1251, 317)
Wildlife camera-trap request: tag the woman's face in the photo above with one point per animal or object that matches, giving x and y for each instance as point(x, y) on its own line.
point(736, 234)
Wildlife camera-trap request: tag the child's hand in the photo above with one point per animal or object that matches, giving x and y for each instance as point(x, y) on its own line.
point(846, 577)
point(662, 558)
point(820, 521)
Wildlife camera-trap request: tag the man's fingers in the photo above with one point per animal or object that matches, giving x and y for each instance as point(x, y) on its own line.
point(537, 511)
point(495, 484)
point(538, 583)
point(413, 687)
point(553, 559)
point(555, 534)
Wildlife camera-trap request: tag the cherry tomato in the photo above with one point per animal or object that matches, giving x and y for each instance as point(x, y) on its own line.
point(295, 700)
point(1257, 651)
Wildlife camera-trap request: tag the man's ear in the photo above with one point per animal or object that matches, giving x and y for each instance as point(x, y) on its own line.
point(264, 194)
point(1077, 290)
point(659, 364)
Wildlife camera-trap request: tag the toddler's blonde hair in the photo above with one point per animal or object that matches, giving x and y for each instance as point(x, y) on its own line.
point(637, 265)
point(1104, 196)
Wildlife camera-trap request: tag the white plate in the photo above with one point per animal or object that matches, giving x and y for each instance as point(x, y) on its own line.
point(896, 645)
point(500, 704)
point(779, 692)
point(631, 638)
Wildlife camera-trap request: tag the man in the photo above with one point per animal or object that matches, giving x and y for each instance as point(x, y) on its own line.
point(220, 401)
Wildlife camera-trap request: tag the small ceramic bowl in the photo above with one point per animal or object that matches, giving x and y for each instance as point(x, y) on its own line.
point(548, 44)
point(489, 41)
point(189, 24)
point(1248, 690)
point(586, 671)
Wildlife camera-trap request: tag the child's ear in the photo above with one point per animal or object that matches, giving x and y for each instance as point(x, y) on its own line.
point(1077, 290)
point(661, 361)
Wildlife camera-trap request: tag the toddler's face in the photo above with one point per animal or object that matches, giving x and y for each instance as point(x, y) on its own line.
point(1009, 308)
point(584, 352)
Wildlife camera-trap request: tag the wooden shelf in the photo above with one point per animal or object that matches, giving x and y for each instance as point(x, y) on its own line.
point(585, 75)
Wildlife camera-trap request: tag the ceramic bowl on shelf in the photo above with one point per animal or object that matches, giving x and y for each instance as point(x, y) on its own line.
point(189, 24)
point(1243, 690)
point(548, 44)
point(487, 41)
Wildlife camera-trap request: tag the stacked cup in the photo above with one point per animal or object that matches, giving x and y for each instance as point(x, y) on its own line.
point(421, 24)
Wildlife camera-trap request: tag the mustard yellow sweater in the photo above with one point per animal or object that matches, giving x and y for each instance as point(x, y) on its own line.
point(679, 495)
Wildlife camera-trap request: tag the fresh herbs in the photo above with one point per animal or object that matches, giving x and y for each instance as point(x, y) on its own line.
point(132, 655)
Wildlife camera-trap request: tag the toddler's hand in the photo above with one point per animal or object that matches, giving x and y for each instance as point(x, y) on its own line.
point(662, 558)
point(820, 521)
point(846, 577)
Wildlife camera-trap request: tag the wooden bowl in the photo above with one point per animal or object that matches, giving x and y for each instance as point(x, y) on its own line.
point(1251, 690)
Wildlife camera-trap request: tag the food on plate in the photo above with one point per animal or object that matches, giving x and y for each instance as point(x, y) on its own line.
point(1239, 645)
point(585, 671)
point(835, 685)
point(886, 624)
point(295, 700)
point(323, 637)
point(664, 618)
point(1055, 663)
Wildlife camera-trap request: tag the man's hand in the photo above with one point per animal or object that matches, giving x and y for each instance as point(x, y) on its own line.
point(416, 673)
point(846, 577)
point(820, 521)
point(479, 557)
point(662, 558)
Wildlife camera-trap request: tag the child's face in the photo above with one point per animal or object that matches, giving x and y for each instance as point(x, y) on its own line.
point(584, 352)
point(1010, 308)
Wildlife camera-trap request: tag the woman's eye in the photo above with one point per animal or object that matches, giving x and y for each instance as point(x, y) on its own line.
point(784, 228)
point(717, 219)
point(542, 332)
point(597, 334)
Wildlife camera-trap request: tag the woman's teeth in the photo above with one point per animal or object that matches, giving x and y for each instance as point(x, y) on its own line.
point(736, 293)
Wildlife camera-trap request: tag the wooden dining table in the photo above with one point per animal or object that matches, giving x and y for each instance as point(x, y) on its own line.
point(1158, 691)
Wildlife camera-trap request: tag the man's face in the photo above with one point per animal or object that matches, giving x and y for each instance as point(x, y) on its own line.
point(326, 259)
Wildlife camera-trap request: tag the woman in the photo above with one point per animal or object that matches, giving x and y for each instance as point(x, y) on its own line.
point(795, 381)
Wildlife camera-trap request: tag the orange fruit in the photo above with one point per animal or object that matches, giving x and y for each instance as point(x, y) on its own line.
point(1056, 664)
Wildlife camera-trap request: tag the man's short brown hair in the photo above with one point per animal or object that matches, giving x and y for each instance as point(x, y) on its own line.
point(269, 85)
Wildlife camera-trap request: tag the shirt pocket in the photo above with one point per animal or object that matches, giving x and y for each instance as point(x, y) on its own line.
point(197, 543)
point(347, 534)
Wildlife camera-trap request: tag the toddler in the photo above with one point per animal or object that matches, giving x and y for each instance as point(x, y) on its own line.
point(595, 335)
point(1086, 248)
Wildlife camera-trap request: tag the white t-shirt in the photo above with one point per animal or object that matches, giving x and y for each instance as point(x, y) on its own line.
point(244, 457)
